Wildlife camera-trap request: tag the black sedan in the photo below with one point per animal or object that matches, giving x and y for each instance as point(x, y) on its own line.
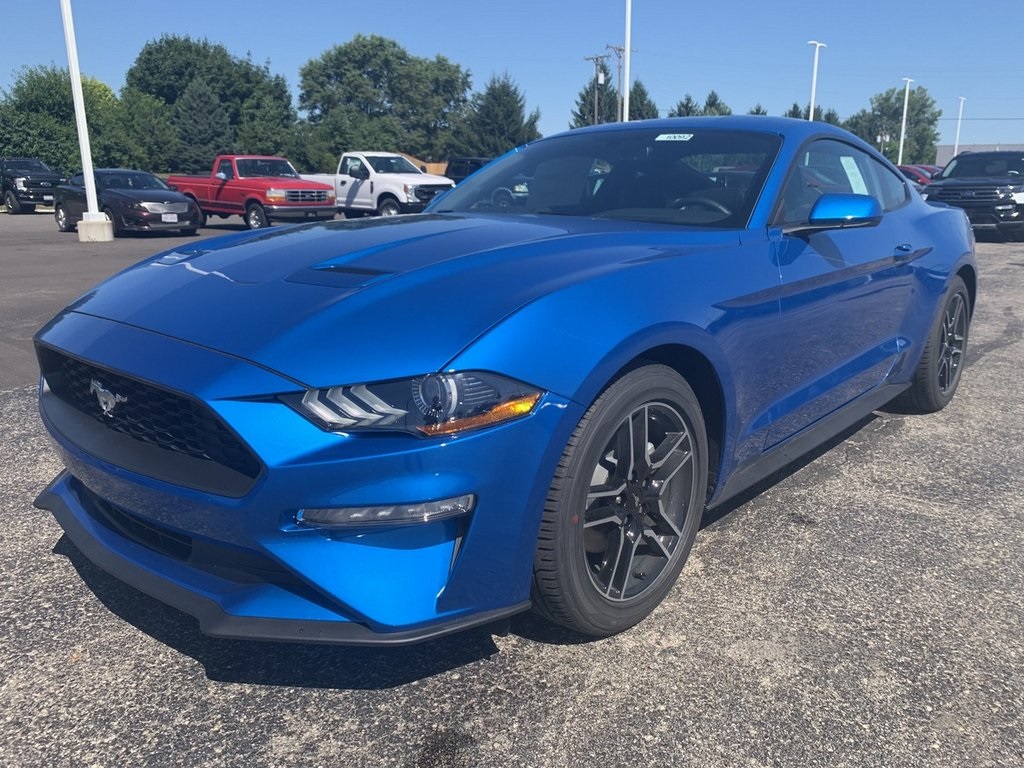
point(134, 201)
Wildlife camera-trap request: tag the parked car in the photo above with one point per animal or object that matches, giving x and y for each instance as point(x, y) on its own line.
point(26, 182)
point(916, 174)
point(458, 168)
point(382, 183)
point(386, 430)
point(133, 201)
point(259, 188)
point(988, 186)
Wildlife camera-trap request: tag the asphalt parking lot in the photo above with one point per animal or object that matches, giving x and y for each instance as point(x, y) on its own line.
point(864, 608)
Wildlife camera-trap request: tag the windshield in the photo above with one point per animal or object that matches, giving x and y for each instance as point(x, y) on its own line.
point(129, 180)
point(985, 164)
point(27, 166)
point(706, 177)
point(265, 166)
point(389, 164)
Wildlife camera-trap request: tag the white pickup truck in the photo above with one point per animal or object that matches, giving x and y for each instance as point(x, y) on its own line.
point(384, 183)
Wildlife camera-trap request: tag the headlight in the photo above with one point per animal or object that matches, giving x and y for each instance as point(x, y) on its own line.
point(410, 192)
point(19, 182)
point(436, 404)
point(275, 194)
point(390, 514)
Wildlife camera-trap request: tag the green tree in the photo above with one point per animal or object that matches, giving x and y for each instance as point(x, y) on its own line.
point(376, 84)
point(40, 101)
point(150, 126)
point(713, 105)
point(884, 119)
point(796, 111)
point(641, 106)
point(688, 107)
point(599, 86)
point(757, 109)
point(497, 121)
point(266, 125)
point(202, 124)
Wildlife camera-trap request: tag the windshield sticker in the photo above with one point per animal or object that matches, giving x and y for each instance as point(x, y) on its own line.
point(674, 137)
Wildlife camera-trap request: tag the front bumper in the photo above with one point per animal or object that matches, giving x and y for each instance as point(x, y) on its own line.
point(143, 221)
point(244, 568)
point(299, 212)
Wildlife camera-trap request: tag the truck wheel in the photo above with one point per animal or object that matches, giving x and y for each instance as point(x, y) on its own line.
point(13, 206)
point(255, 216)
point(388, 206)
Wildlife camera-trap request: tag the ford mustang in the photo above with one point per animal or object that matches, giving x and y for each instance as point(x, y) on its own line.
point(381, 431)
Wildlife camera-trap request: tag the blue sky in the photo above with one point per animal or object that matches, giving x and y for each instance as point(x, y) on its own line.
point(749, 52)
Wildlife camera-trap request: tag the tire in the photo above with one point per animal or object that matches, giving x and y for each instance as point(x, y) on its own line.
point(611, 498)
point(388, 206)
point(60, 215)
point(255, 216)
point(13, 206)
point(938, 373)
point(113, 221)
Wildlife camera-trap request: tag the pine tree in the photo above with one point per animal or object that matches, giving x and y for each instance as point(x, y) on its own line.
point(641, 106)
point(688, 107)
point(607, 104)
point(203, 128)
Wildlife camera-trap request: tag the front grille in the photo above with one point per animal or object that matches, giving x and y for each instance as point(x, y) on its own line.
point(428, 192)
point(965, 194)
point(145, 413)
point(306, 195)
point(166, 207)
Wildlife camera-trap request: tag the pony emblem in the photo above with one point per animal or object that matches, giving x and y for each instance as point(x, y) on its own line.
point(108, 400)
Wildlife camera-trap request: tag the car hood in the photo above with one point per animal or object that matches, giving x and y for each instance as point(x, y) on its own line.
point(369, 300)
point(417, 179)
point(143, 195)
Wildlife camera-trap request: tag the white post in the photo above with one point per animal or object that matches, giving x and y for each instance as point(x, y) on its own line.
point(903, 127)
point(94, 227)
point(814, 75)
point(959, 117)
point(629, 35)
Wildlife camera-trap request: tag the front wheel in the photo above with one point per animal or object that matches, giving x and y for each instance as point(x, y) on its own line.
point(113, 221)
point(388, 206)
point(60, 215)
point(624, 506)
point(255, 216)
point(13, 206)
point(938, 374)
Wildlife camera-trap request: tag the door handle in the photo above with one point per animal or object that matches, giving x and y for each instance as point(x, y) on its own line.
point(904, 252)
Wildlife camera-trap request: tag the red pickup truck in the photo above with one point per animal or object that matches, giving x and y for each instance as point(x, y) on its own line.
point(258, 188)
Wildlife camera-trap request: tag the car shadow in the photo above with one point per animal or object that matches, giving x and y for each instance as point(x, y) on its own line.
point(281, 664)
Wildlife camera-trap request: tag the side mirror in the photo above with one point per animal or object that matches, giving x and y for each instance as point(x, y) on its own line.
point(172, 187)
point(839, 211)
point(359, 172)
point(220, 175)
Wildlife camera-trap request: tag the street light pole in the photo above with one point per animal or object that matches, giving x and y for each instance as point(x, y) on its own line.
point(814, 75)
point(629, 35)
point(959, 117)
point(903, 127)
point(94, 227)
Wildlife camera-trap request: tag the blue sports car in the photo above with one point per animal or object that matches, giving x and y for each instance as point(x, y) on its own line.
point(384, 430)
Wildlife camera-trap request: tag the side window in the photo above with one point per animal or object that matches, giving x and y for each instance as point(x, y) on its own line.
point(224, 166)
point(828, 166)
point(353, 164)
point(77, 180)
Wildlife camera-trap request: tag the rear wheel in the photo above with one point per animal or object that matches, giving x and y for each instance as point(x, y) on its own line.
point(255, 216)
point(624, 506)
point(938, 374)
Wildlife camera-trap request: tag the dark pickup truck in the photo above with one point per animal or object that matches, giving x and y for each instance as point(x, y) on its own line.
point(989, 186)
point(25, 183)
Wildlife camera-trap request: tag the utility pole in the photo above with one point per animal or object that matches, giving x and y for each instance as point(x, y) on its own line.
point(618, 50)
point(598, 77)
